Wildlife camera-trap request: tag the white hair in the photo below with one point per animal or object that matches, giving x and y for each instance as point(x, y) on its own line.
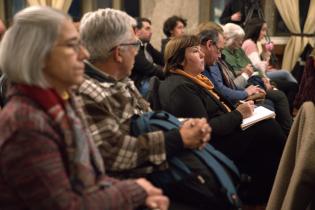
point(231, 32)
point(28, 42)
point(104, 29)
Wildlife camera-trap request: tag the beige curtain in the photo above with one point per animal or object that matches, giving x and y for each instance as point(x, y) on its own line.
point(289, 11)
point(63, 5)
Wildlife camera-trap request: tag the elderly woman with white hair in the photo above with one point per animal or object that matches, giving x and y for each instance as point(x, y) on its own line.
point(235, 56)
point(47, 158)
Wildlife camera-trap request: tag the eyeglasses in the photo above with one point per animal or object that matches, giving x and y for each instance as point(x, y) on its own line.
point(76, 46)
point(136, 45)
point(219, 50)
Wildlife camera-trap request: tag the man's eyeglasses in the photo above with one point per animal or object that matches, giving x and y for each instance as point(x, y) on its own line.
point(219, 50)
point(136, 45)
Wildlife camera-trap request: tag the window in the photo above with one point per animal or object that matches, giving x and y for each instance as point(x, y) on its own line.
point(131, 7)
point(75, 10)
point(216, 9)
point(280, 27)
point(12, 7)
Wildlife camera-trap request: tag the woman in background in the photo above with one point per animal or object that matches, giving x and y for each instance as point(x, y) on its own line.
point(173, 26)
point(256, 30)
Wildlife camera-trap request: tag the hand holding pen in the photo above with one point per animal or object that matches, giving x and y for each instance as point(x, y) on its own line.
point(246, 108)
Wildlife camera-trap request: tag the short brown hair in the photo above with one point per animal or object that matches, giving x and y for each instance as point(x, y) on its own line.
point(175, 50)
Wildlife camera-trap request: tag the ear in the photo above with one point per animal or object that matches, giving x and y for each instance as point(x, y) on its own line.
point(137, 32)
point(117, 55)
point(208, 44)
point(172, 32)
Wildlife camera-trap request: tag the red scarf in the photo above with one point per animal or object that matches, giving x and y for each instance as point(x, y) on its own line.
point(83, 159)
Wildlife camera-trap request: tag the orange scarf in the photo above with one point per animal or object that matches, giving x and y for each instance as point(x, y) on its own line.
point(204, 82)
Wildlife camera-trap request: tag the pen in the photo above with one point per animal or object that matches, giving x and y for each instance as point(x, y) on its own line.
point(243, 102)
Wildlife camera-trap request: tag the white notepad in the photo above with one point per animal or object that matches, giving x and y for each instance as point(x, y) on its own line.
point(260, 113)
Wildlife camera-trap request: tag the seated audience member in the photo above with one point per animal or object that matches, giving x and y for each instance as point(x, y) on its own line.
point(47, 158)
point(236, 58)
point(174, 26)
point(307, 86)
point(111, 100)
point(255, 151)
point(238, 84)
point(232, 87)
point(149, 61)
point(256, 30)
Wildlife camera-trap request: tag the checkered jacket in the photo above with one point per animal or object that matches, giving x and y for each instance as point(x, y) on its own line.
point(109, 105)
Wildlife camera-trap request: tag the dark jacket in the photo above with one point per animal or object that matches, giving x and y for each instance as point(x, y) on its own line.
point(191, 100)
point(243, 6)
point(163, 45)
point(144, 69)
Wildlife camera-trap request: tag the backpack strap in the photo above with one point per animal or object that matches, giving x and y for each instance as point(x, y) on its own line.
point(222, 159)
point(221, 175)
point(163, 120)
point(181, 169)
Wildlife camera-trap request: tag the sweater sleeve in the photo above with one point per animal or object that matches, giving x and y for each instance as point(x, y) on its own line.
point(251, 50)
point(232, 95)
point(32, 164)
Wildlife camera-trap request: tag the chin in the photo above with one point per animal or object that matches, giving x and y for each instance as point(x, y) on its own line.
point(78, 80)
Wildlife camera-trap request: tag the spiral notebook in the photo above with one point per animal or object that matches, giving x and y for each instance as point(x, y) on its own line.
point(260, 113)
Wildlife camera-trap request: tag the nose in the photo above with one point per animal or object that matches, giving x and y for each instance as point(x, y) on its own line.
point(84, 53)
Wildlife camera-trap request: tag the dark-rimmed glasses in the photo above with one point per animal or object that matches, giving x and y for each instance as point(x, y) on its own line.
point(136, 45)
point(219, 50)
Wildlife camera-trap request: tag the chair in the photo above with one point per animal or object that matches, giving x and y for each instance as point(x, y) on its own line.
point(152, 95)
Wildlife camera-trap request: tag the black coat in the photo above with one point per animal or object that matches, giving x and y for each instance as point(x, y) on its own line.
point(144, 69)
point(243, 6)
point(184, 98)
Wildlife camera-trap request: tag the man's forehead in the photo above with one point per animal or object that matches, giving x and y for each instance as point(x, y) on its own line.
point(146, 23)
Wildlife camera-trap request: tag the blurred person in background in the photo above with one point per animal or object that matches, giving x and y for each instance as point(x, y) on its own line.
point(173, 26)
point(149, 61)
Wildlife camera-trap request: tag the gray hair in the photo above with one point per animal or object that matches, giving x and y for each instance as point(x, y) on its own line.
point(231, 32)
point(27, 43)
point(104, 29)
point(207, 35)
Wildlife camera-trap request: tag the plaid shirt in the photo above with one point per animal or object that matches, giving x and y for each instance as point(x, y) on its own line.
point(34, 167)
point(110, 104)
